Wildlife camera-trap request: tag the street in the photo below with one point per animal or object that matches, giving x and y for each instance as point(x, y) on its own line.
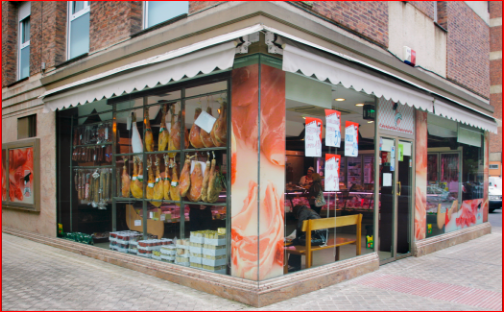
point(464, 277)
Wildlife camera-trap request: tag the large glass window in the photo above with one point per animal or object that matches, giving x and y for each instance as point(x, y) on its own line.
point(24, 40)
point(454, 176)
point(333, 183)
point(149, 174)
point(159, 11)
point(78, 28)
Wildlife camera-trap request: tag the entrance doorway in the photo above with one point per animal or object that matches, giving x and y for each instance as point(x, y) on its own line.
point(396, 198)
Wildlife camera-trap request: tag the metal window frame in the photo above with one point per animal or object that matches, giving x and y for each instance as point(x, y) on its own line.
point(71, 17)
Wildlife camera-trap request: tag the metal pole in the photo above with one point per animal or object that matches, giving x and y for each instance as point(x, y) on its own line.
point(377, 158)
point(71, 178)
point(228, 179)
point(182, 155)
point(114, 170)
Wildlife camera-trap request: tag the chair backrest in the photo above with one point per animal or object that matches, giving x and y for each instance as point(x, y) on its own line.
point(328, 223)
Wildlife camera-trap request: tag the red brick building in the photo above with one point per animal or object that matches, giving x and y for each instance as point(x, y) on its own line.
point(83, 80)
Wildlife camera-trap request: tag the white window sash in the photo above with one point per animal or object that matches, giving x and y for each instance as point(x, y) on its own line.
point(74, 16)
point(146, 15)
point(21, 45)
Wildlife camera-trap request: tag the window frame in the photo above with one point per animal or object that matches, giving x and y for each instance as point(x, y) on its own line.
point(21, 45)
point(71, 17)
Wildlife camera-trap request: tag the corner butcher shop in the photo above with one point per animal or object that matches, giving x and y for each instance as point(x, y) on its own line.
point(188, 165)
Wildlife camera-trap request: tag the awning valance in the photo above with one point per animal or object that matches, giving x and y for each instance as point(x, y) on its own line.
point(466, 117)
point(205, 61)
point(309, 64)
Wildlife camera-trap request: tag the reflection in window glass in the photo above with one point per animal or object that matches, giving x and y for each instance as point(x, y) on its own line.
point(454, 177)
point(160, 11)
point(79, 35)
point(25, 62)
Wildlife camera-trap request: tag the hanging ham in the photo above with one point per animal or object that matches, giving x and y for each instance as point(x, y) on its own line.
point(206, 179)
point(175, 132)
point(185, 178)
point(174, 185)
point(166, 179)
point(125, 189)
point(214, 184)
point(137, 179)
point(196, 183)
point(149, 137)
point(194, 135)
point(206, 140)
point(158, 186)
point(149, 192)
point(219, 129)
point(164, 136)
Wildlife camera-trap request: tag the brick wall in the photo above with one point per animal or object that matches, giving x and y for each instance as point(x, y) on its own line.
point(369, 19)
point(36, 36)
point(426, 7)
point(442, 14)
point(195, 6)
point(54, 33)
point(9, 43)
point(496, 73)
point(467, 48)
point(113, 21)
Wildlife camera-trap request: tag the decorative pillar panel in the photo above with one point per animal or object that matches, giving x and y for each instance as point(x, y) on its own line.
point(486, 175)
point(244, 172)
point(272, 173)
point(421, 174)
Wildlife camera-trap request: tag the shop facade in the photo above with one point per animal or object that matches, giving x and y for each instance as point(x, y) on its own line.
point(189, 163)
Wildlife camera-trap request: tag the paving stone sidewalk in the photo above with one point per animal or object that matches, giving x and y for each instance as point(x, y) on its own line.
point(39, 277)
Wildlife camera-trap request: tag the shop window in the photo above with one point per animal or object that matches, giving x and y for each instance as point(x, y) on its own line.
point(346, 182)
point(156, 12)
point(27, 127)
point(454, 176)
point(139, 164)
point(78, 28)
point(24, 40)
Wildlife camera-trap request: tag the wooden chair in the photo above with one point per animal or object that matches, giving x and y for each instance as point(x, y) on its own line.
point(322, 224)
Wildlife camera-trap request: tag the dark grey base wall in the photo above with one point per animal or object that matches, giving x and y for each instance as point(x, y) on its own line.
point(432, 244)
point(257, 294)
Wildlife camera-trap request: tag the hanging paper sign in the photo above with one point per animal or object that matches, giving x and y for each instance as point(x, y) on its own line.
point(202, 163)
point(351, 139)
point(400, 152)
point(205, 121)
point(333, 128)
point(332, 169)
point(313, 137)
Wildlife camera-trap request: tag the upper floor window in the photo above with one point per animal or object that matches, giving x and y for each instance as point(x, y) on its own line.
point(159, 11)
point(24, 40)
point(78, 28)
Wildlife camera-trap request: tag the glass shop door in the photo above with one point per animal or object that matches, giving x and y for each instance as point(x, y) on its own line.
point(396, 198)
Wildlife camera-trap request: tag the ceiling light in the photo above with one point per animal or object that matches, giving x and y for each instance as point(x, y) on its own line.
point(370, 121)
point(339, 100)
point(359, 104)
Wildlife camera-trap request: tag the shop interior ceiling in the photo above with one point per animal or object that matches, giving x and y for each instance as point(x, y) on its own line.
point(349, 112)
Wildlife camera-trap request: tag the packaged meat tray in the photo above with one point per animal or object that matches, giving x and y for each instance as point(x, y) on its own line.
point(122, 247)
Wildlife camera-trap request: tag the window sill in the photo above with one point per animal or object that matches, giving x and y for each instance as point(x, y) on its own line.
point(157, 26)
point(18, 81)
point(441, 27)
point(75, 59)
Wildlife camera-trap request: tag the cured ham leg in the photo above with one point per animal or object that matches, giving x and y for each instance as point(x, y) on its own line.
point(194, 135)
point(171, 145)
point(206, 179)
point(136, 183)
point(175, 132)
point(136, 139)
point(149, 137)
point(158, 186)
point(125, 189)
point(185, 178)
point(219, 129)
point(214, 184)
point(196, 183)
point(174, 185)
point(149, 193)
point(206, 140)
point(164, 136)
point(166, 179)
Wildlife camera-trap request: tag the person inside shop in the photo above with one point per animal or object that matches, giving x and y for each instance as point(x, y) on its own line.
point(200, 217)
point(302, 213)
point(314, 191)
point(306, 180)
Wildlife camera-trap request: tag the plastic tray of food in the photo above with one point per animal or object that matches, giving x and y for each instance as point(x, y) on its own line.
point(183, 263)
point(196, 265)
point(214, 250)
point(214, 262)
point(217, 269)
point(221, 241)
point(168, 258)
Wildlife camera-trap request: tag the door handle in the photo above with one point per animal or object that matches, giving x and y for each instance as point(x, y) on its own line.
point(399, 193)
